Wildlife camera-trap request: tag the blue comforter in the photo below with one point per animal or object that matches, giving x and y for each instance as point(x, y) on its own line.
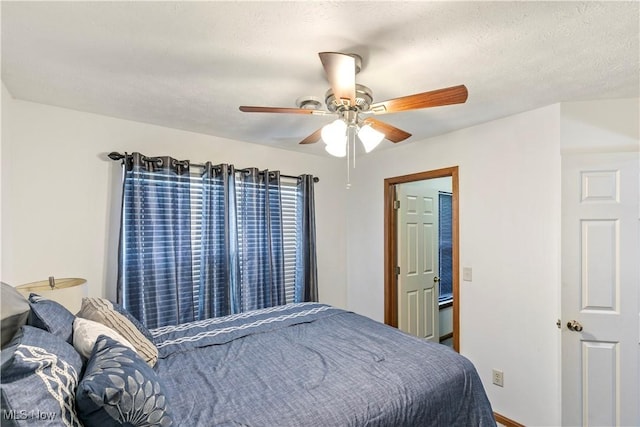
point(314, 365)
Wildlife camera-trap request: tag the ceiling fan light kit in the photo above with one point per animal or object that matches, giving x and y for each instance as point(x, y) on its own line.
point(369, 137)
point(354, 106)
point(334, 136)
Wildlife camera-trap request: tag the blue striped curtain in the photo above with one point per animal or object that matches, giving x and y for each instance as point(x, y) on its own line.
point(261, 241)
point(219, 252)
point(195, 247)
point(242, 250)
point(155, 270)
point(306, 284)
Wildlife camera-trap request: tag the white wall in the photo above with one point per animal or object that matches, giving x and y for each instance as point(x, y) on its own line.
point(6, 98)
point(509, 188)
point(445, 321)
point(58, 212)
point(601, 126)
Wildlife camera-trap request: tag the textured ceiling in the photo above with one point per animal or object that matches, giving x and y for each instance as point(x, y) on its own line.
point(189, 65)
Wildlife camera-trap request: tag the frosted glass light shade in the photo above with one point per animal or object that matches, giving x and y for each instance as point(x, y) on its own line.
point(334, 132)
point(370, 137)
point(335, 136)
point(338, 149)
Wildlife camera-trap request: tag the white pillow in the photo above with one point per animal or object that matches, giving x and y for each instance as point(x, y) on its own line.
point(86, 333)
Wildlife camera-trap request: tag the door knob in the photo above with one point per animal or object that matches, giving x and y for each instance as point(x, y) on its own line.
point(436, 279)
point(574, 325)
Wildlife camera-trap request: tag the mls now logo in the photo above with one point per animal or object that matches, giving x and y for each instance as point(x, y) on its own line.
point(13, 414)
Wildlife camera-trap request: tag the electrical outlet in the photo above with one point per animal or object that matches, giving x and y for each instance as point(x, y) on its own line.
point(498, 378)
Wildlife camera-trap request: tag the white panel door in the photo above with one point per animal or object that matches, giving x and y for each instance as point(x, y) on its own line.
point(418, 260)
point(600, 280)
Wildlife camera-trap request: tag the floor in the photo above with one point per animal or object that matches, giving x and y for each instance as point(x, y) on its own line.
point(448, 342)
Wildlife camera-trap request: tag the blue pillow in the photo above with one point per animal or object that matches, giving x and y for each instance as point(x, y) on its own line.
point(14, 311)
point(39, 378)
point(51, 316)
point(119, 388)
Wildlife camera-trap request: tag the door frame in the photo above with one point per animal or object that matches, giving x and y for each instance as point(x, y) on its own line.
point(391, 245)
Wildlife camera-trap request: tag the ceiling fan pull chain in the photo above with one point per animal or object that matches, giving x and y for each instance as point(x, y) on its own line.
point(348, 161)
point(353, 144)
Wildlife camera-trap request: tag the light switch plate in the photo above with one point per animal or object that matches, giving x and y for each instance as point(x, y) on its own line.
point(467, 274)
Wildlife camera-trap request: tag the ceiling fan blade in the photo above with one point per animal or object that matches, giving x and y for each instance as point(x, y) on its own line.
point(313, 138)
point(341, 73)
point(435, 98)
point(392, 133)
point(251, 109)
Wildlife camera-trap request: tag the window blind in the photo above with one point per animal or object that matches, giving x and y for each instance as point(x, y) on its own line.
point(289, 227)
point(162, 240)
point(445, 243)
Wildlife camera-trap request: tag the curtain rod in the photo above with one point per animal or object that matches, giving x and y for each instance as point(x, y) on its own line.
point(114, 155)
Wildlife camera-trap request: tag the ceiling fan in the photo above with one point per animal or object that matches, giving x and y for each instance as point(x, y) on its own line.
point(354, 106)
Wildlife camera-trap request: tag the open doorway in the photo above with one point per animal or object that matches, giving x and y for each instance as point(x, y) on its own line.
point(391, 241)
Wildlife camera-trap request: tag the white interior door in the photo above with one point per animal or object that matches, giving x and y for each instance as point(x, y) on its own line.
point(600, 279)
point(418, 260)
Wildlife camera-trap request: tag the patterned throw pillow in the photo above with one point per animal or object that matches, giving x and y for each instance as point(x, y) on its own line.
point(143, 329)
point(103, 311)
point(118, 388)
point(51, 316)
point(39, 379)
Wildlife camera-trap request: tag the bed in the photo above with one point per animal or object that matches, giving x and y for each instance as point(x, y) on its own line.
point(303, 364)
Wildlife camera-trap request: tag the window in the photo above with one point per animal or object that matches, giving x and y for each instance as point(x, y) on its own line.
point(445, 247)
point(189, 250)
point(289, 219)
point(289, 197)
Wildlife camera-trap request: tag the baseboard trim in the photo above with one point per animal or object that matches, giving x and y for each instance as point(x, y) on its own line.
point(506, 421)
point(446, 336)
